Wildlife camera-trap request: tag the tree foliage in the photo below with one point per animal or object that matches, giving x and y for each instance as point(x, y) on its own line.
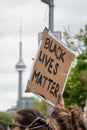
point(5, 118)
point(76, 86)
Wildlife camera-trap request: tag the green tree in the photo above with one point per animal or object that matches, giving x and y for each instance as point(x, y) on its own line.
point(5, 118)
point(76, 86)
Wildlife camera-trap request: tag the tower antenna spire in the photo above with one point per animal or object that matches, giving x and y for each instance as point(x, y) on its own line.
point(20, 48)
point(20, 28)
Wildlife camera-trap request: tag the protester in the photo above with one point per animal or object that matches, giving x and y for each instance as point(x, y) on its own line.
point(2, 126)
point(29, 119)
point(63, 119)
point(60, 119)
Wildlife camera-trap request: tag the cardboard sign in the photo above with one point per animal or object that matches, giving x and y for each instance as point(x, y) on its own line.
point(51, 68)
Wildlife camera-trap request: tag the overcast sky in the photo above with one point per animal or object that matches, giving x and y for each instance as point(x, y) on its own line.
point(34, 14)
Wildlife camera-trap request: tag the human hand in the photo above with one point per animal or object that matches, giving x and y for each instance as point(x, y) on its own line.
point(60, 101)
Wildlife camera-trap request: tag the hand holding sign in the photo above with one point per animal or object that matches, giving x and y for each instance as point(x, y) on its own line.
point(60, 101)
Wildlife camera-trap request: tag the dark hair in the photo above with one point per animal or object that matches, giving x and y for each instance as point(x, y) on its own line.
point(32, 119)
point(2, 126)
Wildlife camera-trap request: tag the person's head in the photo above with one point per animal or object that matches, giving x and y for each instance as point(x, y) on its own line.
point(28, 119)
point(2, 126)
point(63, 119)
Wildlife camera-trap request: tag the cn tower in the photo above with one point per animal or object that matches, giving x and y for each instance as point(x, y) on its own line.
point(20, 67)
